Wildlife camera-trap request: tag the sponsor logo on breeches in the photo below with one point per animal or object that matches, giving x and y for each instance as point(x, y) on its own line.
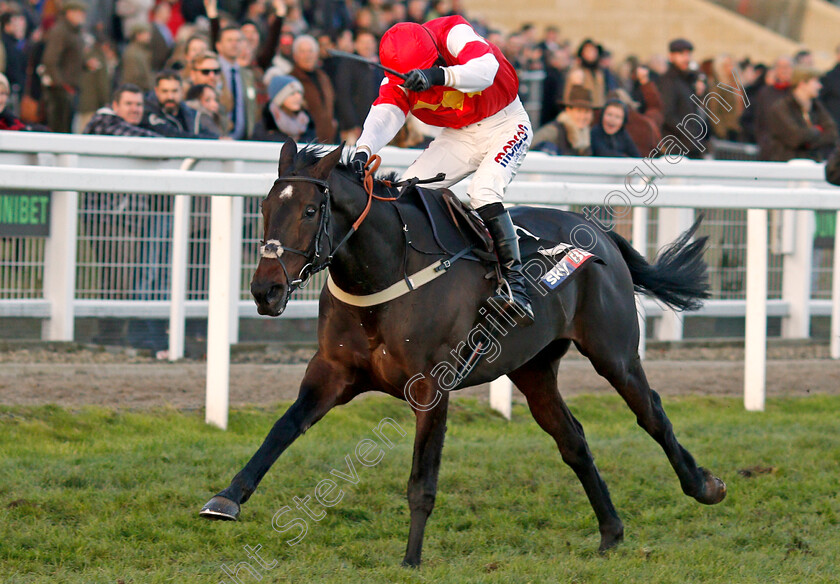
point(514, 147)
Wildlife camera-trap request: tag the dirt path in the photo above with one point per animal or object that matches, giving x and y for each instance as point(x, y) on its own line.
point(84, 377)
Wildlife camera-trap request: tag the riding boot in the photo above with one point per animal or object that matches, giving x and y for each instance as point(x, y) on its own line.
point(516, 304)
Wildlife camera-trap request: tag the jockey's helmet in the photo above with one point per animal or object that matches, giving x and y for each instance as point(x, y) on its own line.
point(406, 46)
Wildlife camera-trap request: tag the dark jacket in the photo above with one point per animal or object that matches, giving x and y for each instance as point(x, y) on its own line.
point(64, 55)
point(676, 88)
point(767, 97)
point(358, 84)
point(748, 118)
point(645, 125)
point(832, 167)
point(552, 94)
point(178, 125)
point(792, 136)
point(830, 93)
point(618, 145)
point(319, 95)
point(106, 123)
point(9, 122)
point(15, 63)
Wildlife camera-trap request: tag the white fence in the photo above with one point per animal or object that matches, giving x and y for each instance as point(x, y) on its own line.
point(669, 188)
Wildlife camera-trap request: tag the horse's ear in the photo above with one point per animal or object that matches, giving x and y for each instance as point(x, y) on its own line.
point(325, 166)
point(287, 156)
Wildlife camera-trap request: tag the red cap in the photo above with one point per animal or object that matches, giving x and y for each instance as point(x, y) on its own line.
point(406, 46)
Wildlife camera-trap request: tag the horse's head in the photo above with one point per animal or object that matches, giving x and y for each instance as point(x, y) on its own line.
point(296, 215)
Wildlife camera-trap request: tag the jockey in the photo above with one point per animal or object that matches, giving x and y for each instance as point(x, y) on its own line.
point(458, 81)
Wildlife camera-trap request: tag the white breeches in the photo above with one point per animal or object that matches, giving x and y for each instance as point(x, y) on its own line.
point(493, 149)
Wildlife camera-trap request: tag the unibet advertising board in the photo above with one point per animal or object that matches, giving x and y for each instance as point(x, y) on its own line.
point(24, 213)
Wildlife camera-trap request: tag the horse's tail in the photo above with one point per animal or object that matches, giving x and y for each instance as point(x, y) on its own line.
point(678, 277)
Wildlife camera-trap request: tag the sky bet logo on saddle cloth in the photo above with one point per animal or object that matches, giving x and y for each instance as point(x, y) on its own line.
point(514, 147)
point(571, 259)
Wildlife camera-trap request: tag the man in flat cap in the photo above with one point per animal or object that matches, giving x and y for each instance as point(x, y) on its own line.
point(64, 63)
point(677, 86)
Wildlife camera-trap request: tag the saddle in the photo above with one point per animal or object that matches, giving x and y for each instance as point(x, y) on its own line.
point(467, 219)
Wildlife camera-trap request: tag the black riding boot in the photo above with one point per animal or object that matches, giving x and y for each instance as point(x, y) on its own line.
point(518, 304)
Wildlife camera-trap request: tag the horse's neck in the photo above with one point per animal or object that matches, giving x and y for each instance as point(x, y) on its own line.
point(371, 258)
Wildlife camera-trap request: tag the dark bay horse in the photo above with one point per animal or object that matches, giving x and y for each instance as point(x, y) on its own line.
point(308, 214)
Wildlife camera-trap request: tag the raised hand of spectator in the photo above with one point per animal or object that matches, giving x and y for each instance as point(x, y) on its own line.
point(211, 7)
point(280, 8)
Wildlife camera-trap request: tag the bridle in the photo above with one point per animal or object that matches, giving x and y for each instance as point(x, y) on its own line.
point(316, 259)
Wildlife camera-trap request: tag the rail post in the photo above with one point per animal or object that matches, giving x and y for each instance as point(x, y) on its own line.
point(672, 223)
point(218, 315)
point(178, 277)
point(796, 276)
point(755, 350)
point(501, 396)
point(60, 260)
point(236, 221)
point(835, 294)
point(640, 220)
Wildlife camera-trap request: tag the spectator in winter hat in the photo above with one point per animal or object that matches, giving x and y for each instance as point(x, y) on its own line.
point(283, 116)
point(569, 134)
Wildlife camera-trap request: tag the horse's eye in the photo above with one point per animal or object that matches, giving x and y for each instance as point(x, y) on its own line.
point(310, 211)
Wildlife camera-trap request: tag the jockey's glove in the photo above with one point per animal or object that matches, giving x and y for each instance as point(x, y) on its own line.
point(358, 163)
point(422, 79)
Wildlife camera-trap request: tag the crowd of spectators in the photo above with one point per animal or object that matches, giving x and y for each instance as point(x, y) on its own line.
point(261, 70)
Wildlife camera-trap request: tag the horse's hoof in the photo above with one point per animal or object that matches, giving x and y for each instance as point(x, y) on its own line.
point(714, 491)
point(220, 508)
point(410, 563)
point(610, 540)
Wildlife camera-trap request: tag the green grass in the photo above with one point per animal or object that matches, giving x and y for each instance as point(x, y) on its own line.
point(94, 495)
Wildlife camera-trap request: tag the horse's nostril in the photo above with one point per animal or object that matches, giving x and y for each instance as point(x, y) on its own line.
point(267, 293)
point(273, 293)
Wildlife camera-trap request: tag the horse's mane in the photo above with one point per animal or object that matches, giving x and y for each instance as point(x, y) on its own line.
point(310, 154)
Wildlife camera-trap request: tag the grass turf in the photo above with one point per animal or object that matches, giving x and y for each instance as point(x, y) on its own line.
point(95, 495)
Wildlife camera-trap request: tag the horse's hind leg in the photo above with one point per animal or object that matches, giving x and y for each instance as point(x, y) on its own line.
point(324, 385)
point(627, 376)
point(537, 379)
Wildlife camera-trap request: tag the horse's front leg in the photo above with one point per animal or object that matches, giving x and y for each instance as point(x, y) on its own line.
point(422, 484)
point(325, 384)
